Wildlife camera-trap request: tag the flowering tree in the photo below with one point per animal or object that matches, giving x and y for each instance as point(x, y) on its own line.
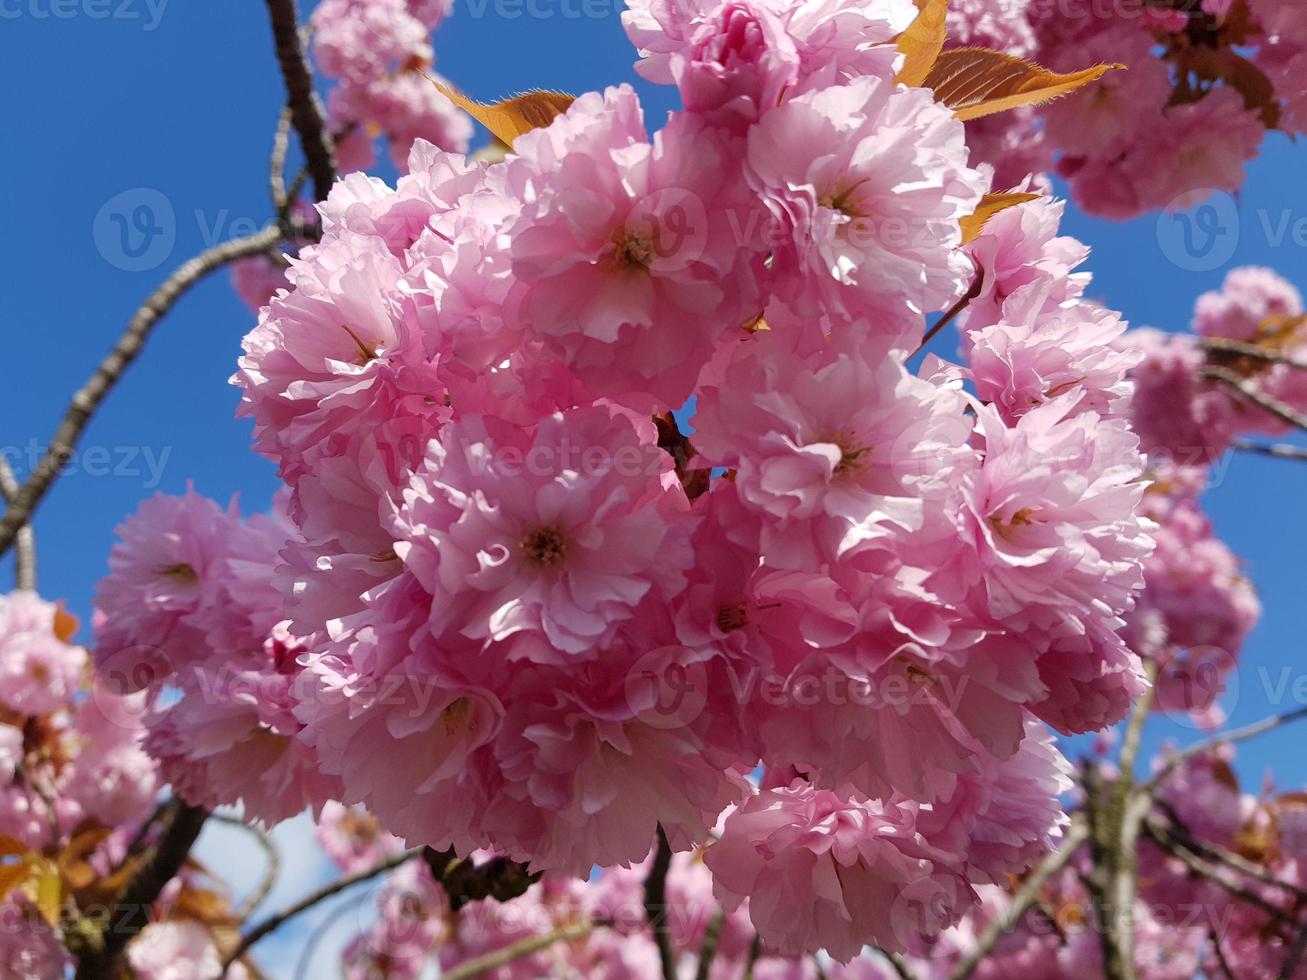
point(643, 599)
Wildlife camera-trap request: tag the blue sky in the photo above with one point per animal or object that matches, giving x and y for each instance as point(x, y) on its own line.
point(175, 102)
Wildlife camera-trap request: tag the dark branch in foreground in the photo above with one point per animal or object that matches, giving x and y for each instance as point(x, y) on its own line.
point(305, 108)
point(85, 402)
point(655, 905)
point(101, 959)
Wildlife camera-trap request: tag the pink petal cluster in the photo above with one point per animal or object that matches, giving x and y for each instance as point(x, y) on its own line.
point(188, 617)
point(1186, 415)
point(378, 52)
point(517, 607)
point(1205, 83)
point(69, 753)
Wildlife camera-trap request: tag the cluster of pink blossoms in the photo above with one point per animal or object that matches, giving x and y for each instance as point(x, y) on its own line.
point(1194, 395)
point(1186, 923)
point(76, 783)
point(1251, 333)
point(189, 621)
point(531, 620)
point(378, 52)
point(1205, 81)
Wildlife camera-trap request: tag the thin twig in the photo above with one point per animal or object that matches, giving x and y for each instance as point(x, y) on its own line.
point(1214, 873)
point(1220, 855)
point(1032, 886)
point(1277, 450)
point(305, 107)
point(25, 545)
point(87, 400)
point(1221, 961)
point(320, 932)
point(272, 862)
point(1120, 845)
point(900, 965)
point(655, 905)
point(708, 950)
point(1222, 345)
point(131, 909)
point(278, 919)
point(953, 312)
point(1229, 738)
point(277, 165)
point(755, 950)
point(516, 951)
point(1252, 393)
point(1295, 955)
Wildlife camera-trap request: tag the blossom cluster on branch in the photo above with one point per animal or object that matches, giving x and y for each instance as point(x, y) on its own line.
point(1205, 81)
point(514, 609)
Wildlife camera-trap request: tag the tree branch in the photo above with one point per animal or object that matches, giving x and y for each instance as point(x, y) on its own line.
point(131, 910)
point(25, 544)
point(1251, 393)
point(976, 284)
point(278, 919)
point(1215, 874)
point(1295, 955)
point(1277, 450)
point(518, 950)
point(1032, 886)
point(708, 951)
point(655, 904)
point(1223, 345)
point(271, 871)
point(87, 400)
point(1229, 738)
point(1214, 852)
point(305, 108)
point(277, 166)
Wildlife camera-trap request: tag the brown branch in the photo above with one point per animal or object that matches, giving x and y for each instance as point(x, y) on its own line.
point(516, 951)
point(110, 371)
point(281, 201)
point(1214, 938)
point(1223, 345)
point(1032, 886)
point(306, 111)
point(655, 904)
point(272, 866)
point(1214, 873)
point(25, 543)
point(278, 919)
point(708, 951)
point(1295, 955)
point(1220, 855)
point(1251, 393)
point(130, 912)
point(900, 964)
point(1228, 738)
point(1277, 450)
point(976, 284)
